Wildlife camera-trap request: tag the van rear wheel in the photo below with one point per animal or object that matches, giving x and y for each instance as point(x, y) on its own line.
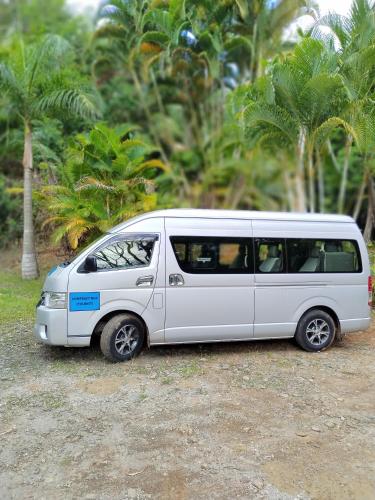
point(122, 337)
point(315, 331)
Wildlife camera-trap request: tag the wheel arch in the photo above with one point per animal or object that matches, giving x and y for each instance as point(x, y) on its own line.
point(329, 311)
point(97, 331)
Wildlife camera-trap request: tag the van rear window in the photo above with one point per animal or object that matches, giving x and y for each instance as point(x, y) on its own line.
point(323, 256)
point(213, 255)
point(270, 255)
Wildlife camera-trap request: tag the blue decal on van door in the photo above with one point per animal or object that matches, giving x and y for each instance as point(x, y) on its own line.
point(84, 301)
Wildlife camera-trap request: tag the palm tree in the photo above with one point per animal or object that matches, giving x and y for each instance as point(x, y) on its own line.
point(298, 104)
point(38, 81)
point(263, 24)
point(353, 37)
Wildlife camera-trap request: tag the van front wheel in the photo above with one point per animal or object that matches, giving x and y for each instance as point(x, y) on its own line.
point(122, 337)
point(315, 331)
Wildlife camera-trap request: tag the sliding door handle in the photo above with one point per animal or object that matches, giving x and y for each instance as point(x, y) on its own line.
point(176, 280)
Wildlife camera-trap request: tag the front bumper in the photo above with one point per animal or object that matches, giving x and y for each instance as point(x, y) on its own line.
point(51, 326)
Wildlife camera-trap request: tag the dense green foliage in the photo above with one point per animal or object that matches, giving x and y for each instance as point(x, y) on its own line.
point(10, 215)
point(185, 103)
point(107, 178)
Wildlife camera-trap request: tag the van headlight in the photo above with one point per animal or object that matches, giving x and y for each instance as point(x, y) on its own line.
point(55, 300)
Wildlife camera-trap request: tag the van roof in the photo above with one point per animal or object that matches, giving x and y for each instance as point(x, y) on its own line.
point(235, 214)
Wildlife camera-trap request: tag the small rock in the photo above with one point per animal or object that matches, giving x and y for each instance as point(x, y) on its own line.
point(330, 425)
point(204, 466)
point(301, 434)
point(246, 378)
point(257, 483)
point(315, 429)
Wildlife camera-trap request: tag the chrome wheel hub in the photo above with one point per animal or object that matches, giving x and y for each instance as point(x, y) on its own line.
point(317, 331)
point(126, 339)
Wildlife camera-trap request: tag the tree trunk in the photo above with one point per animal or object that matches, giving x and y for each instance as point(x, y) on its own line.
point(367, 233)
point(254, 52)
point(29, 263)
point(240, 186)
point(289, 192)
point(333, 157)
point(360, 197)
point(310, 154)
point(300, 178)
point(320, 182)
point(147, 113)
point(344, 175)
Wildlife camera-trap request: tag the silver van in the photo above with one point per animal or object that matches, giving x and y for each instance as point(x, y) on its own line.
point(184, 276)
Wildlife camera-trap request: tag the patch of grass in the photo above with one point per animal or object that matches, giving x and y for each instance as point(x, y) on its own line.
point(139, 370)
point(65, 366)
point(18, 297)
point(190, 369)
point(142, 395)
point(166, 380)
point(45, 400)
point(51, 401)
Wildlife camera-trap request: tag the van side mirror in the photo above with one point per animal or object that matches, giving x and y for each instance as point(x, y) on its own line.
point(91, 265)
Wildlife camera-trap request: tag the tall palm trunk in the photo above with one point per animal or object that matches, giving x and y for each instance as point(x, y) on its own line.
point(344, 175)
point(310, 165)
point(142, 100)
point(290, 194)
point(300, 177)
point(320, 181)
point(29, 262)
point(360, 196)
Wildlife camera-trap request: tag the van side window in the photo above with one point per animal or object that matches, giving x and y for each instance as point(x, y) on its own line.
point(323, 256)
point(124, 253)
point(199, 254)
point(269, 255)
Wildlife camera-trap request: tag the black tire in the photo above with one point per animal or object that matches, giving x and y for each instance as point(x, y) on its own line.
point(125, 332)
point(315, 331)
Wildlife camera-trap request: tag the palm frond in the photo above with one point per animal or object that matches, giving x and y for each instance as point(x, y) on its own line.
point(79, 102)
point(92, 183)
point(8, 81)
point(269, 117)
point(323, 132)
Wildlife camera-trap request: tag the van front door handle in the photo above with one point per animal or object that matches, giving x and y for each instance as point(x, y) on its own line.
point(176, 280)
point(145, 281)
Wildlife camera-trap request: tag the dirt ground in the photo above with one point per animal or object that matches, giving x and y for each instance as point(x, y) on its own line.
point(244, 420)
